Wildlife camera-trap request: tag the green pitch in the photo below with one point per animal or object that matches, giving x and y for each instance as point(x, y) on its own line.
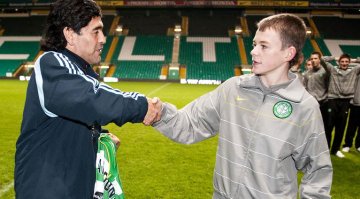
point(151, 166)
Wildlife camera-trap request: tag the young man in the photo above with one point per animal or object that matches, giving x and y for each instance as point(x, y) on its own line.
point(269, 127)
point(354, 121)
point(316, 81)
point(65, 105)
point(308, 65)
point(341, 91)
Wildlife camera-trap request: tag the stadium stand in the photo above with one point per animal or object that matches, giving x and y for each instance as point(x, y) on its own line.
point(7, 67)
point(106, 48)
point(15, 26)
point(308, 48)
point(214, 23)
point(342, 38)
point(324, 49)
point(107, 20)
point(142, 57)
point(16, 1)
point(16, 50)
point(354, 51)
point(148, 22)
point(138, 70)
point(209, 58)
point(19, 44)
point(35, 25)
point(248, 42)
point(345, 27)
point(148, 32)
point(252, 20)
point(43, 1)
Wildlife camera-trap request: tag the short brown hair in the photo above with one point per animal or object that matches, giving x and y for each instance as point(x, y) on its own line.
point(292, 30)
point(317, 53)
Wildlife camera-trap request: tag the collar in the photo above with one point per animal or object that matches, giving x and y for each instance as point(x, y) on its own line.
point(292, 90)
point(80, 62)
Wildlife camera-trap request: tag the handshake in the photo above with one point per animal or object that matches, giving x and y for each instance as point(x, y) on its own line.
point(154, 111)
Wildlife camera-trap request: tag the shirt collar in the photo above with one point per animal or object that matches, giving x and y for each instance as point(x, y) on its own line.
point(80, 62)
point(292, 90)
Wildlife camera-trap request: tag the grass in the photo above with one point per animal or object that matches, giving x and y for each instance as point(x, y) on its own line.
point(151, 166)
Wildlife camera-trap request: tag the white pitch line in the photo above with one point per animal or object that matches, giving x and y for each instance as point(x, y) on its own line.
point(6, 188)
point(157, 89)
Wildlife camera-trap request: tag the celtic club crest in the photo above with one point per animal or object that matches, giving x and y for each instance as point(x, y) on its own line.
point(282, 109)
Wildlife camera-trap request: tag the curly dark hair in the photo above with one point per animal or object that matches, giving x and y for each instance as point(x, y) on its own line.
point(74, 14)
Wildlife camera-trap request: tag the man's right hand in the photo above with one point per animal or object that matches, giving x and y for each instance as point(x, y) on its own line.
point(154, 111)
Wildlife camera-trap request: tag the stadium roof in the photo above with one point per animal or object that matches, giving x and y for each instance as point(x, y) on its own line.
point(346, 6)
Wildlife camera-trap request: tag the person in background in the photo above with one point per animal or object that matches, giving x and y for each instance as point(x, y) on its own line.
point(269, 126)
point(341, 91)
point(308, 65)
point(66, 106)
point(316, 82)
point(354, 121)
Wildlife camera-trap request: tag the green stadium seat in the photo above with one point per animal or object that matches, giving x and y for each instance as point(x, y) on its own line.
point(8, 66)
point(138, 70)
point(211, 64)
point(16, 50)
point(353, 51)
point(141, 57)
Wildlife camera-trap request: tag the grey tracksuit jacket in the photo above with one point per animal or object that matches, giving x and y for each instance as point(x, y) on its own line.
point(342, 82)
point(316, 83)
point(356, 100)
point(265, 137)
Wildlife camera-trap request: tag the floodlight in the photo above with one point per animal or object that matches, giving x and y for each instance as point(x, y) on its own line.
point(177, 29)
point(119, 29)
point(238, 30)
point(308, 31)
